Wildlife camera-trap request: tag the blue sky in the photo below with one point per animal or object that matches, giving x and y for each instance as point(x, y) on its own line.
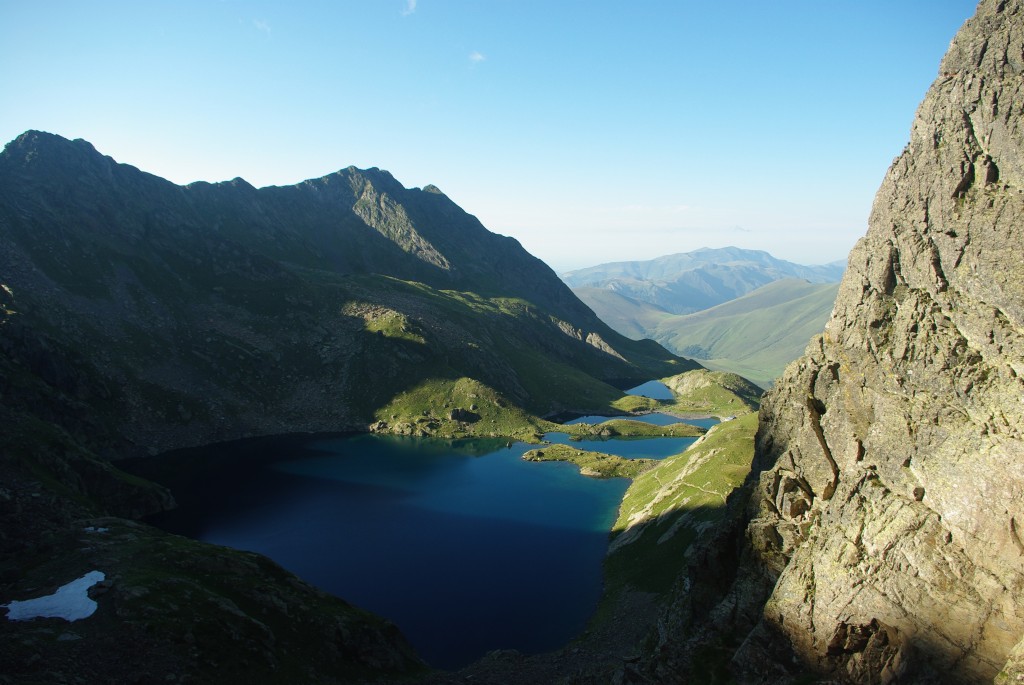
point(592, 131)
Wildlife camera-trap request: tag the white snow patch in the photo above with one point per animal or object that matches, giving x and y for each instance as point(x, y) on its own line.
point(70, 602)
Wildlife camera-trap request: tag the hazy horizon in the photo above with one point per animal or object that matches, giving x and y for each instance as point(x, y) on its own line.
point(591, 132)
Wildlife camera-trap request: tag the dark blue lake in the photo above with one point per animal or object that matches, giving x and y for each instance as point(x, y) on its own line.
point(464, 546)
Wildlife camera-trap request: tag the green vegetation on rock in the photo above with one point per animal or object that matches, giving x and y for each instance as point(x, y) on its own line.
point(627, 428)
point(667, 507)
point(460, 408)
point(715, 393)
point(205, 614)
point(600, 465)
point(592, 464)
point(636, 404)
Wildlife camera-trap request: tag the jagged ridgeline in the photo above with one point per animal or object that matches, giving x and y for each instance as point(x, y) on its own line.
point(175, 315)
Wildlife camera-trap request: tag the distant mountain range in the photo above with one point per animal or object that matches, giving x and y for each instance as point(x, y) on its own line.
point(732, 309)
point(692, 281)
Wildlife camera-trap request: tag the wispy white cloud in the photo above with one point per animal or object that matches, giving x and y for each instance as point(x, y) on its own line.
point(476, 57)
point(261, 25)
point(410, 7)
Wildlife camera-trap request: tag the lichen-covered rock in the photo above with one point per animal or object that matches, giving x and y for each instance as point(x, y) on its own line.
point(891, 507)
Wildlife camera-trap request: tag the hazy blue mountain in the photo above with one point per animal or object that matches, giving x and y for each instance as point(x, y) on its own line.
point(736, 310)
point(755, 335)
point(692, 281)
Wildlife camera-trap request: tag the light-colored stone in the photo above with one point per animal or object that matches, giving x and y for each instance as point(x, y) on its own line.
point(900, 433)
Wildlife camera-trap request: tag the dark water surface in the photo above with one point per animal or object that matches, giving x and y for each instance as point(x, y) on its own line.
point(463, 545)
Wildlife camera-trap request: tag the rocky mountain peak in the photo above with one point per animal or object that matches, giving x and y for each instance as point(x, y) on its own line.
point(890, 507)
point(33, 142)
point(38, 153)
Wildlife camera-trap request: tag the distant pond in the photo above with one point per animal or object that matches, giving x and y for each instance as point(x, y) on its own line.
point(656, 390)
point(462, 544)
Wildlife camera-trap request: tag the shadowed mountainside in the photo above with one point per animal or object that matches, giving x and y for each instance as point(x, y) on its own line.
point(138, 316)
point(210, 312)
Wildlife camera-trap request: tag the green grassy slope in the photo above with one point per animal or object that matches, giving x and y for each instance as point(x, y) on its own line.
point(627, 315)
point(669, 506)
point(756, 335)
point(716, 393)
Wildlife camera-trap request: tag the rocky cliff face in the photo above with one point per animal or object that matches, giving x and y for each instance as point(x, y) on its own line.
point(891, 506)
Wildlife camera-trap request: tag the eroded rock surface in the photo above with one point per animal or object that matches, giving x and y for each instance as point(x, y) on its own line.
point(891, 509)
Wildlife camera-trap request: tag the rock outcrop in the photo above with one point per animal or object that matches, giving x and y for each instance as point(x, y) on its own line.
point(891, 504)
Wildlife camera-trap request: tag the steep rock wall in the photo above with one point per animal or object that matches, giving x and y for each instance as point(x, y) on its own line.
point(891, 507)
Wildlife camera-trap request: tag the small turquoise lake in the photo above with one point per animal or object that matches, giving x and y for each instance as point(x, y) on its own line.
point(630, 448)
point(656, 390)
point(633, 448)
